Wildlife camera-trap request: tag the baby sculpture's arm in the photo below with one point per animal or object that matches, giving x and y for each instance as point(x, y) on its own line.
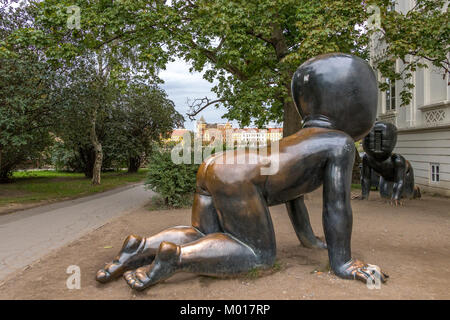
point(337, 216)
point(399, 179)
point(298, 213)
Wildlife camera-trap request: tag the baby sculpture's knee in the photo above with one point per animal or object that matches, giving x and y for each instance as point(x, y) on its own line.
point(132, 243)
point(168, 252)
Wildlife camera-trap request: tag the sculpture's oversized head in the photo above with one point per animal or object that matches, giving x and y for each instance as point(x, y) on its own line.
point(381, 140)
point(337, 90)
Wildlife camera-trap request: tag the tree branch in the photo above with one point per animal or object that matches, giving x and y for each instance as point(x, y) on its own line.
point(212, 56)
point(198, 105)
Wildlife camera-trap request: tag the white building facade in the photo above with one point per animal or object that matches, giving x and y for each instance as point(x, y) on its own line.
point(423, 125)
point(252, 137)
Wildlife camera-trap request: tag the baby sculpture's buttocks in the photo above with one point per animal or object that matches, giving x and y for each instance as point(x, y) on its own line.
point(232, 230)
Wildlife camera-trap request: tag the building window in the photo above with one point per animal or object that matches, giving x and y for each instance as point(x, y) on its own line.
point(390, 95)
point(435, 175)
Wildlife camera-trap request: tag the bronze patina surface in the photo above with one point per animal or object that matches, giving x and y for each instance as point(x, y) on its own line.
point(232, 228)
point(396, 173)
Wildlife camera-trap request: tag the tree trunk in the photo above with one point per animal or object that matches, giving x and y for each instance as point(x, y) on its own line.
point(134, 164)
point(97, 170)
point(292, 122)
point(5, 169)
point(96, 174)
point(291, 117)
point(356, 174)
point(5, 175)
point(85, 163)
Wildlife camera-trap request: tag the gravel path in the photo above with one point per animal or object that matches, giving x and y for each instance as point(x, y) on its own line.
point(410, 243)
point(27, 235)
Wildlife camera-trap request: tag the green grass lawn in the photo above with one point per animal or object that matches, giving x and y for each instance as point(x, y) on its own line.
point(34, 186)
point(356, 186)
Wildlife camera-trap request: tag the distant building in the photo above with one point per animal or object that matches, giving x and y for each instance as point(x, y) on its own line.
point(424, 124)
point(209, 132)
point(177, 135)
point(275, 134)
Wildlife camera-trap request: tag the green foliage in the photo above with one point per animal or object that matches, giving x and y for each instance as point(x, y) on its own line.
point(251, 48)
point(419, 38)
point(25, 101)
point(141, 116)
point(160, 203)
point(64, 159)
point(174, 182)
point(248, 48)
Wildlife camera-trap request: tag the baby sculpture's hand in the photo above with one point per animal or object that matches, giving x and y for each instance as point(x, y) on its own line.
point(367, 273)
point(396, 202)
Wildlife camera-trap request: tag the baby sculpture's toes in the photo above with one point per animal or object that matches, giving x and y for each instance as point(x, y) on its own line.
point(112, 270)
point(128, 258)
point(137, 279)
point(396, 203)
point(164, 265)
point(367, 273)
point(103, 276)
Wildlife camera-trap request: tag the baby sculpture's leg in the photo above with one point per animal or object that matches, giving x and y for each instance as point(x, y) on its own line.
point(366, 178)
point(411, 190)
point(337, 217)
point(298, 213)
point(214, 254)
point(248, 243)
point(386, 188)
point(138, 251)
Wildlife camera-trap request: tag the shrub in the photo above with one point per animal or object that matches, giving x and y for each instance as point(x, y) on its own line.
point(174, 182)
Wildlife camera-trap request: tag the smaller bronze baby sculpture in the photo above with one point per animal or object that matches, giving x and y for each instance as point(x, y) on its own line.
point(396, 173)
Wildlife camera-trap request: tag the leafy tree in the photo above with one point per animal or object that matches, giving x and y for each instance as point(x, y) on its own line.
point(108, 65)
point(81, 120)
point(142, 116)
point(418, 37)
point(243, 45)
point(251, 48)
point(25, 98)
point(129, 120)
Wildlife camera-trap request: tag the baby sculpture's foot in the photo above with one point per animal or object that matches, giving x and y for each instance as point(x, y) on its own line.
point(316, 243)
point(417, 194)
point(127, 259)
point(396, 203)
point(359, 270)
point(165, 264)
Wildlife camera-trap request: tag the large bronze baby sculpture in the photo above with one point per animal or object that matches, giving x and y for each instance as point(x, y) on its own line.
point(396, 173)
point(232, 231)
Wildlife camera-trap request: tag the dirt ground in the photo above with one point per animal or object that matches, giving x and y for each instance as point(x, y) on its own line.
point(410, 243)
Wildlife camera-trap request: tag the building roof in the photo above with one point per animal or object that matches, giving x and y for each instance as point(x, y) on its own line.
point(179, 132)
point(272, 130)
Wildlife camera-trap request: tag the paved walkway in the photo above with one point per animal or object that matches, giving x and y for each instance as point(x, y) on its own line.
point(27, 235)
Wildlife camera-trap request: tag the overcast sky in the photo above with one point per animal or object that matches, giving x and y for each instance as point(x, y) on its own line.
point(180, 85)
